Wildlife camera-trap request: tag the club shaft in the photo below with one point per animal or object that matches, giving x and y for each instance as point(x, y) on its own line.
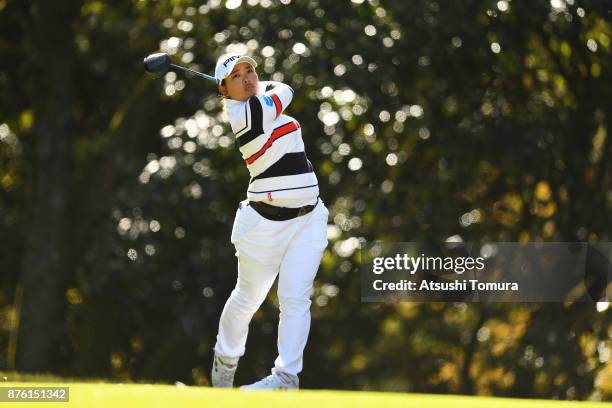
point(210, 78)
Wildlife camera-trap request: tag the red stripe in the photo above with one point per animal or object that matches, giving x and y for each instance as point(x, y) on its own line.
point(277, 133)
point(277, 103)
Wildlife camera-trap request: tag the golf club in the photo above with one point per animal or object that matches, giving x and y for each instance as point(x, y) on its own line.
point(160, 64)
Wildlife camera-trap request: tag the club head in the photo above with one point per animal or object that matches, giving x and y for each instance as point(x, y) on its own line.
point(157, 63)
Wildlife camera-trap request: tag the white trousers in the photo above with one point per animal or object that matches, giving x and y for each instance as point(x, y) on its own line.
point(292, 250)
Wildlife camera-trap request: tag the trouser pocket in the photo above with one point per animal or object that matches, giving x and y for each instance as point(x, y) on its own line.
point(245, 221)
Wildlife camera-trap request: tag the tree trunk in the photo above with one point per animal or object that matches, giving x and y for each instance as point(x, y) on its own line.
point(44, 273)
point(467, 384)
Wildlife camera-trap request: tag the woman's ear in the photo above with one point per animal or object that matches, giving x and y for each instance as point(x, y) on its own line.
point(222, 90)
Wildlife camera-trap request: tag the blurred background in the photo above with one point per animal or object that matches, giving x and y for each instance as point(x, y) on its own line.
point(479, 119)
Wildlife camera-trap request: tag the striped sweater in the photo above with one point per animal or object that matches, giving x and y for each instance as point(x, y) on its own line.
point(272, 147)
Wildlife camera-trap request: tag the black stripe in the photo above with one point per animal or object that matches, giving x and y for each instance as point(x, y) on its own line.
point(288, 165)
point(256, 122)
point(276, 138)
point(281, 189)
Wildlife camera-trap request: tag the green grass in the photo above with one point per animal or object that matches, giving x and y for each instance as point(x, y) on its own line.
point(103, 395)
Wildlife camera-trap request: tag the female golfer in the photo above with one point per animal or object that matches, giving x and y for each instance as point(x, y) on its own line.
point(280, 229)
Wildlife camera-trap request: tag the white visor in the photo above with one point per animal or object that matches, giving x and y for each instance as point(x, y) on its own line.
point(225, 65)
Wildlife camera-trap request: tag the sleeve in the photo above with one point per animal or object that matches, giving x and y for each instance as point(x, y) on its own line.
point(248, 119)
point(274, 101)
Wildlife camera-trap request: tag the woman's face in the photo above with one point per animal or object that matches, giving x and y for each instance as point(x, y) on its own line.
point(242, 83)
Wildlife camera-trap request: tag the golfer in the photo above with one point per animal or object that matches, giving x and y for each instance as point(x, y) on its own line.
point(279, 230)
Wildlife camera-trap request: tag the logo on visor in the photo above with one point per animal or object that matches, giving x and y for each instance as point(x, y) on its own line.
point(230, 59)
point(268, 100)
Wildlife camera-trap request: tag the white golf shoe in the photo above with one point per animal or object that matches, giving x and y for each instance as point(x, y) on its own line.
point(223, 371)
point(278, 380)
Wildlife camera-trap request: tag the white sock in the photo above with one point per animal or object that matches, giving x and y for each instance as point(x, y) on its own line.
point(228, 361)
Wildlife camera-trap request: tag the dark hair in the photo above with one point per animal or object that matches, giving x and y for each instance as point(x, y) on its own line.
point(220, 96)
point(222, 83)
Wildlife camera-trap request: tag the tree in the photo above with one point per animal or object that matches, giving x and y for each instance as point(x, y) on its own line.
point(486, 120)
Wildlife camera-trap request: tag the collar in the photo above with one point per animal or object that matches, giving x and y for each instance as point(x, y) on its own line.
point(230, 103)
